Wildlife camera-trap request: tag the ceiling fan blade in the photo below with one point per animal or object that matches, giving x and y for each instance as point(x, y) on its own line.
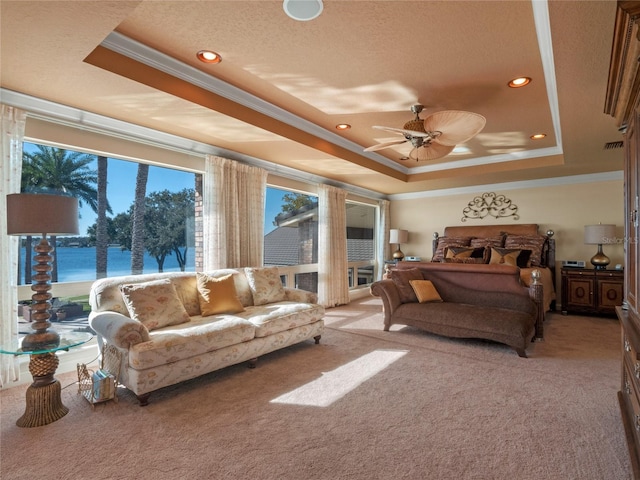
point(456, 127)
point(430, 151)
point(402, 131)
point(384, 145)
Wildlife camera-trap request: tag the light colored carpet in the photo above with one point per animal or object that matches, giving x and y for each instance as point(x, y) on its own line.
point(397, 405)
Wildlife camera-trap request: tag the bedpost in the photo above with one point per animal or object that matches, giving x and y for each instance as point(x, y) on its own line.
point(434, 243)
point(536, 291)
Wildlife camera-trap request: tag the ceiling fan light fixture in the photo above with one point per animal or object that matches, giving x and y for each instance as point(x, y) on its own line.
point(519, 82)
point(209, 56)
point(303, 10)
point(538, 136)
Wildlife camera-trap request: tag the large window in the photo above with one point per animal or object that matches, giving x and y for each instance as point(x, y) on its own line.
point(167, 226)
point(291, 239)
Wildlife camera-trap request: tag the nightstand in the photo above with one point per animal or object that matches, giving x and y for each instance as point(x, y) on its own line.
point(590, 291)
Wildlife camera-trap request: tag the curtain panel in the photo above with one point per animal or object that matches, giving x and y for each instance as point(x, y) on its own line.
point(333, 279)
point(12, 126)
point(233, 214)
point(383, 250)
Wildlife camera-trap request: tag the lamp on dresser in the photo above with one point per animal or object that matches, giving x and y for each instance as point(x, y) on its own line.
point(397, 237)
point(598, 235)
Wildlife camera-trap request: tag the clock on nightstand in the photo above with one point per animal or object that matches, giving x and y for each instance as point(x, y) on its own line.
point(590, 291)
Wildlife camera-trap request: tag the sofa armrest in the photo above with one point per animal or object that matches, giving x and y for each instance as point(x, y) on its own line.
point(117, 329)
point(388, 292)
point(299, 295)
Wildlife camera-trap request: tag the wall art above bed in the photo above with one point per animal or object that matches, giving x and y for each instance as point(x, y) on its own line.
point(490, 204)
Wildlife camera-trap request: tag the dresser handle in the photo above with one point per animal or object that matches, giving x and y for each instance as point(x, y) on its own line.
point(627, 387)
point(636, 370)
point(637, 425)
point(627, 346)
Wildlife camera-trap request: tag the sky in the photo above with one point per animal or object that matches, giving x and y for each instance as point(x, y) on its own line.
point(121, 184)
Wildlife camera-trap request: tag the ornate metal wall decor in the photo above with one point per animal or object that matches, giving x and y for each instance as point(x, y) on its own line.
point(497, 206)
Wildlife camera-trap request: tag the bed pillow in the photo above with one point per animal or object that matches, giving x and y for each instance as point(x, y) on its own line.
point(402, 279)
point(497, 241)
point(464, 255)
point(266, 286)
point(425, 290)
point(155, 304)
point(504, 256)
point(444, 242)
point(535, 243)
point(217, 295)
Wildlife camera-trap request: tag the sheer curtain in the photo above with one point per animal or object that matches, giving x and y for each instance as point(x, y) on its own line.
point(12, 127)
point(333, 280)
point(382, 237)
point(233, 214)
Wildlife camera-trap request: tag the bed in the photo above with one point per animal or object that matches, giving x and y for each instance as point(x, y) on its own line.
point(519, 244)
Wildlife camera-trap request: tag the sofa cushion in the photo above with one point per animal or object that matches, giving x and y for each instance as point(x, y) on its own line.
point(155, 304)
point(281, 316)
point(188, 293)
point(202, 334)
point(266, 286)
point(401, 278)
point(217, 294)
point(425, 290)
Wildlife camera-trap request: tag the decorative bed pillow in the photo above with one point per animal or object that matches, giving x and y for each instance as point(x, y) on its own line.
point(155, 304)
point(265, 285)
point(217, 295)
point(425, 290)
point(504, 256)
point(444, 242)
point(465, 255)
point(535, 243)
point(497, 241)
point(402, 279)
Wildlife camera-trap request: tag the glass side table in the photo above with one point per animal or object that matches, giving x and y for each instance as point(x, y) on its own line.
point(44, 402)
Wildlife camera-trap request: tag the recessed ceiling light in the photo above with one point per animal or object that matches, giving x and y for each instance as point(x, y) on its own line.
point(519, 82)
point(302, 10)
point(538, 136)
point(343, 126)
point(208, 56)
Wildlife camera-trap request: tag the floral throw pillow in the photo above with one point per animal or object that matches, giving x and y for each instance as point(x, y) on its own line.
point(155, 304)
point(265, 285)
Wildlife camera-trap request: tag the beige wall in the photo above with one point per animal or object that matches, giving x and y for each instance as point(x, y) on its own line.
point(565, 209)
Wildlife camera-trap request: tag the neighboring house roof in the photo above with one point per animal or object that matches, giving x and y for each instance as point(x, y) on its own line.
point(281, 247)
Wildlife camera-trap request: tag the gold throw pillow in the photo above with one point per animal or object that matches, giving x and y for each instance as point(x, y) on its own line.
point(425, 290)
point(217, 295)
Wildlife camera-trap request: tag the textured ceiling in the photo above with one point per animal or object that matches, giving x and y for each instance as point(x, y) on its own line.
point(283, 85)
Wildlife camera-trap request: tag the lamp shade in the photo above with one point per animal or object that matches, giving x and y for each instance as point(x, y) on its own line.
point(599, 234)
point(41, 214)
point(398, 236)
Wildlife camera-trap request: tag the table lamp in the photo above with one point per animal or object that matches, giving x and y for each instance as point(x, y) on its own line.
point(41, 214)
point(398, 236)
point(598, 235)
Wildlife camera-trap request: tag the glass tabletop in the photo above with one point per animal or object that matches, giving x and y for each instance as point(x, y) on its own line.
point(67, 340)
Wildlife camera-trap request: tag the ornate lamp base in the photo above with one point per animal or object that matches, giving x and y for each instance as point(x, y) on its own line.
point(43, 399)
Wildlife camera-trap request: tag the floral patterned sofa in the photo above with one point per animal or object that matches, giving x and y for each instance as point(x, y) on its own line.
point(172, 327)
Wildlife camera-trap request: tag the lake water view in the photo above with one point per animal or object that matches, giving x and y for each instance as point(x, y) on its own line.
point(79, 264)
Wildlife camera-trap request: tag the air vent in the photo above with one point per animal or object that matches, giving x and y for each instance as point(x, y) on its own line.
point(612, 145)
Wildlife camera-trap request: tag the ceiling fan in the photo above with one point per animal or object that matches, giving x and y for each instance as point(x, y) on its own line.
point(435, 136)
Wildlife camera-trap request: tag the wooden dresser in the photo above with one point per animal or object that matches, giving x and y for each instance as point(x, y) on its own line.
point(623, 103)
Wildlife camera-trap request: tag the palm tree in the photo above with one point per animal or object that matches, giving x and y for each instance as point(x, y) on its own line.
point(56, 169)
point(102, 236)
point(137, 241)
